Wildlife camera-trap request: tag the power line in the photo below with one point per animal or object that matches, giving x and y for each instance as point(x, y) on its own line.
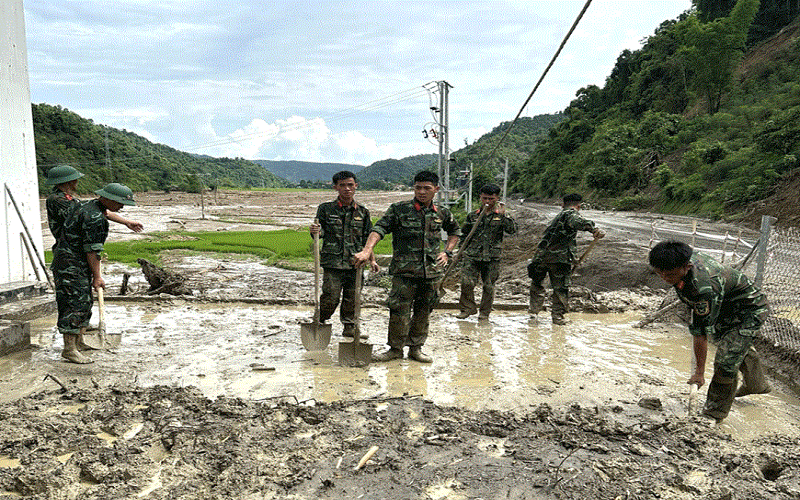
point(553, 60)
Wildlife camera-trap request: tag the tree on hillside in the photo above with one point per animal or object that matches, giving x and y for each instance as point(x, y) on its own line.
point(713, 50)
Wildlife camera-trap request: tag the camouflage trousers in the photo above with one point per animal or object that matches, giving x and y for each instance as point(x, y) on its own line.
point(733, 345)
point(474, 271)
point(559, 280)
point(73, 298)
point(338, 283)
point(410, 304)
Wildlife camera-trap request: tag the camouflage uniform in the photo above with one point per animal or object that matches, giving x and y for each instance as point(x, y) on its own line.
point(59, 207)
point(344, 230)
point(482, 259)
point(416, 241)
point(555, 256)
point(728, 310)
point(84, 231)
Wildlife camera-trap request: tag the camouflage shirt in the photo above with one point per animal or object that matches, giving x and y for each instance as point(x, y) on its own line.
point(416, 237)
point(344, 231)
point(558, 241)
point(59, 206)
point(85, 230)
point(720, 295)
point(487, 241)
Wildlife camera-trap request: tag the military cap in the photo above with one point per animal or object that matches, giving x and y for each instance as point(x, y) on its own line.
point(61, 174)
point(117, 192)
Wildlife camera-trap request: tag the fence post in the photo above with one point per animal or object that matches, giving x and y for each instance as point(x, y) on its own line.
point(761, 260)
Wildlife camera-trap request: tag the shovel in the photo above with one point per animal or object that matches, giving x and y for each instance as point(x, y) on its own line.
point(315, 336)
point(355, 353)
point(101, 339)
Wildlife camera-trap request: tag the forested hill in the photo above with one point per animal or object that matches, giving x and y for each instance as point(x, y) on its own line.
point(296, 171)
point(704, 118)
point(62, 136)
point(384, 173)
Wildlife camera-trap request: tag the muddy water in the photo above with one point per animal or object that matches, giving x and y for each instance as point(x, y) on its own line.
point(507, 363)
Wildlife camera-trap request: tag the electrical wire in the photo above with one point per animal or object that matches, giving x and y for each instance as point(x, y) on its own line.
point(553, 60)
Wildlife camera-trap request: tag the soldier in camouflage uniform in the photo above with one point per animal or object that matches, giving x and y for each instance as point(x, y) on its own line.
point(76, 264)
point(63, 200)
point(555, 256)
point(344, 226)
point(417, 264)
point(726, 309)
point(482, 252)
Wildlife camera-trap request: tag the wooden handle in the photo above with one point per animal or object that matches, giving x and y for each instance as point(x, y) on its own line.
point(316, 275)
point(357, 305)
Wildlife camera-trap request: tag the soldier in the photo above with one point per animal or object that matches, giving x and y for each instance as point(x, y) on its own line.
point(76, 264)
point(726, 309)
point(417, 263)
point(555, 256)
point(483, 252)
point(62, 201)
point(344, 226)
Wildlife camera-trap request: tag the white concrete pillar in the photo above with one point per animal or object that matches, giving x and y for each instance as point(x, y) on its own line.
point(17, 154)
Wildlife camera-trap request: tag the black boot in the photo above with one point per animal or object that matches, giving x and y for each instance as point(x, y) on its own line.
point(720, 396)
point(753, 380)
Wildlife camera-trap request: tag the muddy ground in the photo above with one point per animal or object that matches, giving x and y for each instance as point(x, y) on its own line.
point(505, 411)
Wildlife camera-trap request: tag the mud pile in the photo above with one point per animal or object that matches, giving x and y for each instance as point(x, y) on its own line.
point(114, 443)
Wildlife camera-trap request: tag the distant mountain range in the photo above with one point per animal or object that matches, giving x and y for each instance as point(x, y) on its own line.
point(63, 136)
point(295, 171)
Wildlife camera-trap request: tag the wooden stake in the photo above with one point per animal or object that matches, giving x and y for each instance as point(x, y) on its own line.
point(366, 457)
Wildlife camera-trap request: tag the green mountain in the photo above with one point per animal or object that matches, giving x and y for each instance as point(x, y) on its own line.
point(62, 136)
point(384, 173)
point(488, 160)
point(296, 171)
point(702, 119)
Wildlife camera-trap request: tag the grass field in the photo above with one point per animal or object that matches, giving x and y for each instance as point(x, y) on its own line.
point(285, 247)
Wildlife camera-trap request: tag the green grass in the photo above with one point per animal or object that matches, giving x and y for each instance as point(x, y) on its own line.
point(285, 247)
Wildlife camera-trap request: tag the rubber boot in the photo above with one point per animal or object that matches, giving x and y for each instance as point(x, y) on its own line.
point(350, 329)
point(753, 380)
point(720, 396)
point(464, 314)
point(80, 344)
point(71, 352)
point(388, 355)
point(416, 354)
point(559, 308)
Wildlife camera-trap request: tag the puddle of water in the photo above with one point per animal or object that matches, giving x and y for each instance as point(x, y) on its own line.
point(506, 363)
point(8, 462)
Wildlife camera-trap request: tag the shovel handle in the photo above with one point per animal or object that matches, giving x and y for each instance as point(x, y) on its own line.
point(357, 304)
point(101, 307)
point(316, 274)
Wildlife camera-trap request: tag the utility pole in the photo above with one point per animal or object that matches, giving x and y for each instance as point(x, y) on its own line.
point(505, 182)
point(469, 190)
point(444, 142)
point(108, 167)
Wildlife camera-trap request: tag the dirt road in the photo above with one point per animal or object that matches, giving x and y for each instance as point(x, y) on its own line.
point(509, 408)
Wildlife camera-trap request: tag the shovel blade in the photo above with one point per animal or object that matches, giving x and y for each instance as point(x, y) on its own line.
point(354, 354)
point(102, 342)
point(315, 336)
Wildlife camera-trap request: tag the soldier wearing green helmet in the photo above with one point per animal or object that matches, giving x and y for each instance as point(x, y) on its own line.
point(63, 200)
point(76, 264)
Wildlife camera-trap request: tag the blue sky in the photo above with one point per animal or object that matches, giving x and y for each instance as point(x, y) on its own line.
point(333, 81)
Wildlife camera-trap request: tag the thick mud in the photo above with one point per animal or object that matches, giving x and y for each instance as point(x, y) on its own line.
point(213, 396)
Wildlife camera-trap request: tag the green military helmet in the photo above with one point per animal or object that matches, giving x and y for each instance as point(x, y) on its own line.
point(117, 192)
point(61, 174)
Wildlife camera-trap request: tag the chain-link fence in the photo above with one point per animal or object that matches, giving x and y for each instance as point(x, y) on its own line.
point(778, 274)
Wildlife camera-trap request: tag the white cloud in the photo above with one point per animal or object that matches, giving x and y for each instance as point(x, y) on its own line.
point(240, 77)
